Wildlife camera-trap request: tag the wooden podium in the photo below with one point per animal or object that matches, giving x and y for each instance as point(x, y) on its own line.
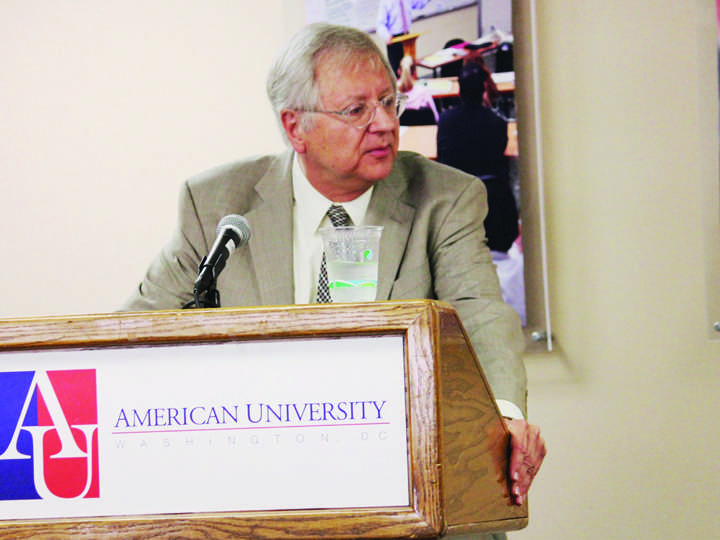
point(457, 444)
point(408, 42)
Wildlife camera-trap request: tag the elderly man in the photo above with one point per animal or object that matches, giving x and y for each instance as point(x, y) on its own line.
point(335, 97)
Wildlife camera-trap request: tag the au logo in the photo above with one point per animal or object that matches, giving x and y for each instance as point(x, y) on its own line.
point(48, 435)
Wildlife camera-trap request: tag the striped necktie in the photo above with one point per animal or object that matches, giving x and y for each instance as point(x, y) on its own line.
point(339, 218)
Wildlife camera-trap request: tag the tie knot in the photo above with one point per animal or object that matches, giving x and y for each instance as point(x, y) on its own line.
point(339, 216)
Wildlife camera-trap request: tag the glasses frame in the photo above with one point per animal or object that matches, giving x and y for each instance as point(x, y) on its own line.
point(400, 102)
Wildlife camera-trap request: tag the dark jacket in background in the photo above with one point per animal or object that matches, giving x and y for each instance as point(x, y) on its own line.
point(473, 138)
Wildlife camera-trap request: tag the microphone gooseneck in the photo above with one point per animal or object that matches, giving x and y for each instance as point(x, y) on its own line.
point(233, 231)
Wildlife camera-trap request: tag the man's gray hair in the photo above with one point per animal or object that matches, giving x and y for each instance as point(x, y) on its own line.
point(291, 83)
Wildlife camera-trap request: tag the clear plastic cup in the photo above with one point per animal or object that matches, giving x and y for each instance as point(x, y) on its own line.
point(352, 255)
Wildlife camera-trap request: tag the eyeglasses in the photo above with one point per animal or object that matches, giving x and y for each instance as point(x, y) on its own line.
point(360, 115)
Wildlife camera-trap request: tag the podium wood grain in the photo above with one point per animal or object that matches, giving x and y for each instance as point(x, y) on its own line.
point(457, 442)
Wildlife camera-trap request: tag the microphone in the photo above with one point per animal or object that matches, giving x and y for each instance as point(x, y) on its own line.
point(233, 231)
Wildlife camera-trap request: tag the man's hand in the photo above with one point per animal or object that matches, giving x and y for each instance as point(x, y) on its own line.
point(527, 454)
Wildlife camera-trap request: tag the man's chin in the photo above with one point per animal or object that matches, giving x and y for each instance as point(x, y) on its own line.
point(379, 168)
point(379, 176)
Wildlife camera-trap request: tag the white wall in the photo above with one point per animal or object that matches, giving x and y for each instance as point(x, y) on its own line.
point(496, 15)
point(105, 107)
point(436, 31)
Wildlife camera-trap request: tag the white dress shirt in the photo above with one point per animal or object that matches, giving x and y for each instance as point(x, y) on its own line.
point(309, 209)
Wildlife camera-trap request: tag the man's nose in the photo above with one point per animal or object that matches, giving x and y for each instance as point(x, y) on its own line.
point(382, 119)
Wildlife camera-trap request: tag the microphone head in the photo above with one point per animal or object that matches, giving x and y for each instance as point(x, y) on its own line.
point(238, 225)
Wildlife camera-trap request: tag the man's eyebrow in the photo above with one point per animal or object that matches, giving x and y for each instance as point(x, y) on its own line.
point(361, 97)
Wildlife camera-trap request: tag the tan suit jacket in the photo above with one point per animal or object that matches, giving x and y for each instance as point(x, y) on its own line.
point(432, 246)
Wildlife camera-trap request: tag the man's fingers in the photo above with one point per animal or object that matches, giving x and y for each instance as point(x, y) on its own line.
point(528, 452)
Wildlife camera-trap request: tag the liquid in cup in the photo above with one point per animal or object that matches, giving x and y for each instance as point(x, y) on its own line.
point(352, 255)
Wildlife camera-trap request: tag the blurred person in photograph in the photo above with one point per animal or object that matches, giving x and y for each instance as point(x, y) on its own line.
point(335, 98)
point(472, 137)
point(419, 98)
point(394, 19)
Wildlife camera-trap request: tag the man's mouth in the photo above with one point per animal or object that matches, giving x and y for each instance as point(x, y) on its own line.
point(380, 151)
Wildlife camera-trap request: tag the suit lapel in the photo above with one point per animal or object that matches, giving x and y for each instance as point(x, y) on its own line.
point(271, 241)
point(389, 209)
point(271, 217)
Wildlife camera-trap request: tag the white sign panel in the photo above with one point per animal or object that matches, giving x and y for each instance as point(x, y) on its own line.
point(312, 423)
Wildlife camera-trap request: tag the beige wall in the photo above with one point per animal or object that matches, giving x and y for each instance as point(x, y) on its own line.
point(105, 107)
point(629, 126)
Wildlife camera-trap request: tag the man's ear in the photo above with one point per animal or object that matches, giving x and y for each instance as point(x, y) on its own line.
point(291, 121)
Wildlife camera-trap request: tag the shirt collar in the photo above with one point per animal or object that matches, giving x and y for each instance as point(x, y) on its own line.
point(311, 205)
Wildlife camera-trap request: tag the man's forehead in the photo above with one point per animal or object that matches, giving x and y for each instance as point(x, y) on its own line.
point(344, 57)
point(333, 68)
